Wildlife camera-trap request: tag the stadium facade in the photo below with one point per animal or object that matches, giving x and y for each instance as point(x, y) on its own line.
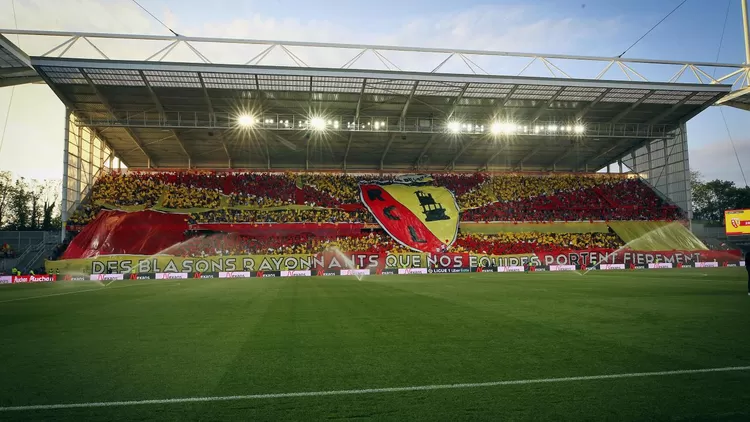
point(186, 111)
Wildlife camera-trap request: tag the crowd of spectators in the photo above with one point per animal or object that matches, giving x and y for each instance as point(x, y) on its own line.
point(183, 197)
point(318, 215)
point(379, 242)
point(530, 242)
point(234, 244)
point(482, 197)
point(6, 251)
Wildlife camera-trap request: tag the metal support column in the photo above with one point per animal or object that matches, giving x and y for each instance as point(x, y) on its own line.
point(746, 28)
point(64, 215)
point(79, 141)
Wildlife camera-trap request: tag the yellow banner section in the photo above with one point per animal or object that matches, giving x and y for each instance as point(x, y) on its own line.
point(657, 236)
point(126, 264)
point(434, 206)
point(570, 227)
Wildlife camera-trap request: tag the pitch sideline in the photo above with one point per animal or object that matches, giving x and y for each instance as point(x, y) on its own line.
point(370, 390)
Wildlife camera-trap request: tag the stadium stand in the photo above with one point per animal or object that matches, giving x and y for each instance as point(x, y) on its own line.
point(257, 212)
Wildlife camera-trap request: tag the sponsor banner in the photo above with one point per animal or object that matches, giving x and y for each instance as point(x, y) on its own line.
point(484, 269)
point(42, 278)
point(234, 274)
point(355, 272)
point(6, 279)
point(266, 274)
point(415, 213)
point(662, 265)
point(298, 273)
point(412, 270)
point(326, 273)
point(742, 264)
point(611, 266)
point(70, 277)
point(562, 267)
point(171, 276)
point(511, 269)
point(706, 265)
point(106, 277)
point(387, 271)
point(205, 275)
point(737, 222)
point(448, 270)
point(147, 276)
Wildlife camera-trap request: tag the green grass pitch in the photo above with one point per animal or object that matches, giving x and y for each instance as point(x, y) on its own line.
point(82, 342)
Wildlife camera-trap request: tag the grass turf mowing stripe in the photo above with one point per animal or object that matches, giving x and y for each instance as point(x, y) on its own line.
point(100, 288)
point(371, 390)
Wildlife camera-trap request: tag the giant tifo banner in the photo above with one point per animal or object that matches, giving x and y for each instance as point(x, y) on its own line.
point(125, 264)
point(413, 212)
point(737, 222)
point(624, 256)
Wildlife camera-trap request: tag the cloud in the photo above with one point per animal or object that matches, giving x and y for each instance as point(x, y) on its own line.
point(718, 161)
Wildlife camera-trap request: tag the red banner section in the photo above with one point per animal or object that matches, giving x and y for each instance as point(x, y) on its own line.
point(622, 256)
point(398, 220)
point(135, 233)
point(283, 229)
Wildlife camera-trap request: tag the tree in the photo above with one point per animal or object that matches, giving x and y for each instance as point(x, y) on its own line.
point(711, 199)
point(51, 207)
point(29, 205)
point(19, 206)
point(6, 192)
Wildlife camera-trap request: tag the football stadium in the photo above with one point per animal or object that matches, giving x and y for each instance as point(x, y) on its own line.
point(298, 240)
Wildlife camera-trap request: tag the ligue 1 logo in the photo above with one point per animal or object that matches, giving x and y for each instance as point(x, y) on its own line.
point(735, 222)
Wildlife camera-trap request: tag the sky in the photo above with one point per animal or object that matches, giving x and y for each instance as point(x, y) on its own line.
point(33, 140)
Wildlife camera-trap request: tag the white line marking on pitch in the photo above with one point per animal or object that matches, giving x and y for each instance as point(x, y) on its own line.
point(369, 390)
point(70, 293)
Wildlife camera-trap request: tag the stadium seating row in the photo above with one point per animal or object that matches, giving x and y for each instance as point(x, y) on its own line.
point(378, 242)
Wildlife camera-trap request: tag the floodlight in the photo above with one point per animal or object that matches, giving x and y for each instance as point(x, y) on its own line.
point(552, 128)
point(246, 120)
point(454, 127)
point(496, 128)
point(317, 123)
point(579, 129)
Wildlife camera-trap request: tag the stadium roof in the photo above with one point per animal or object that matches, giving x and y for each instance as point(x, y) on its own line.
point(175, 114)
point(15, 67)
point(182, 113)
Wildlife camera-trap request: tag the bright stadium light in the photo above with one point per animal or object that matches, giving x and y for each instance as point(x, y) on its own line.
point(454, 127)
point(579, 129)
point(318, 123)
point(496, 128)
point(552, 128)
point(246, 120)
